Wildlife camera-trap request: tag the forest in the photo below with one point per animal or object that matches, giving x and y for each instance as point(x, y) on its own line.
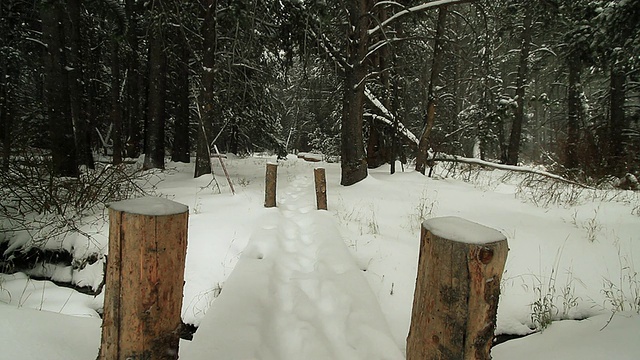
point(548, 83)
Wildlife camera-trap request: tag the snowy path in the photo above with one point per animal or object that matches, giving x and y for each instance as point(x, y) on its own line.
point(296, 293)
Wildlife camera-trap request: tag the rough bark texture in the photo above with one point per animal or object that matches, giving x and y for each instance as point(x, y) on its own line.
point(432, 97)
point(321, 188)
point(515, 138)
point(456, 297)
point(353, 160)
point(270, 185)
point(63, 150)
point(205, 121)
point(154, 148)
point(144, 281)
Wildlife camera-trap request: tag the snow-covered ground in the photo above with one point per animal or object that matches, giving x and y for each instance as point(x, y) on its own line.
point(295, 283)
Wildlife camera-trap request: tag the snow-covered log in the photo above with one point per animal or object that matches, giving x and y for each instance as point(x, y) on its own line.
point(522, 169)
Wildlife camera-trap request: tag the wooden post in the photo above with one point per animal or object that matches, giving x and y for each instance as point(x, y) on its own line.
point(457, 290)
point(321, 188)
point(144, 279)
point(270, 185)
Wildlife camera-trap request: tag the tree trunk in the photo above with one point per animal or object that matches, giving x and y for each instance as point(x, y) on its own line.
point(432, 96)
point(6, 113)
point(205, 120)
point(353, 161)
point(62, 142)
point(154, 152)
point(270, 185)
point(76, 88)
point(134, 78)
point(144, 279)
point(181, 144)
point(378, 151)
point(116, 107)
point(457, 290)
point(574, 109)
point(521, 83)
point(617, 122)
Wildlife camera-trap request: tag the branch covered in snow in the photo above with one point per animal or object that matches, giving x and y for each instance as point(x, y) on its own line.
point(472, 161)
point(414, 9)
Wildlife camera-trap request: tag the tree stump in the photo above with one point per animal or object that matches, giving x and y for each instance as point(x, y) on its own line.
point(321, 188)
point(457, 290)
point(270, 185)
point(144, 279)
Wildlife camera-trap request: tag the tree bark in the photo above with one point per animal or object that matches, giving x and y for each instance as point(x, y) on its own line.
point(144, 279)
point(320, 180)
point(353, 162)
point(457, 290)
point(6, 113)
point(432, 96)
point(154, 152)
point(75, 73)
point(574, 110)
point(116, 107)
point(62, 142)
point(181, 143)
point(205, 120)
point(515, 138)
point(135, 114)
point(270, 184)
point(617, 122)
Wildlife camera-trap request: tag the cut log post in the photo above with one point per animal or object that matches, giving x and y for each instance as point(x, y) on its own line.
point(457, 289)
point(270, 185)
point(144, 279)
point(321, 188)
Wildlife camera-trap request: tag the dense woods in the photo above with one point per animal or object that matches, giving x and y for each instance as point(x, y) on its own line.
point(551, 83)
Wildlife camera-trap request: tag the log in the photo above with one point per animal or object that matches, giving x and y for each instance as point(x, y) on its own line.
point(144, 279)
point(270, 185)
point(321, 188)
point(457, 290)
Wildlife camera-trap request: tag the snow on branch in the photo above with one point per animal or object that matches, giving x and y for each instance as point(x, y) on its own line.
point(414, 9)
point(522, 169)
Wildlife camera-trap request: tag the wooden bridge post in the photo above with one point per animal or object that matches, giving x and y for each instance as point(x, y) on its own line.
point(270, 185)
point(321, 188)
point(457, 290)
point(144, 279)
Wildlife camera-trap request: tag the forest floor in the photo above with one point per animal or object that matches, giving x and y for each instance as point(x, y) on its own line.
point(292, 282)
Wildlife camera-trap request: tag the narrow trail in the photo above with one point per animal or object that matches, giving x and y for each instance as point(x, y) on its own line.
point(296, 293)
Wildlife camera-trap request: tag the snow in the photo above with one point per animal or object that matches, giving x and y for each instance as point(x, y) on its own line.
point(461, 230)
point(295, 283)
point(150, 206)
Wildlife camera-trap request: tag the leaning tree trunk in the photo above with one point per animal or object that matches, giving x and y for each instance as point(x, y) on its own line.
point(56, 89)
point(513, 150)
point(205, 120)
point(434, 83)
point(353, 161)
point(154, 152)
point(574, 109)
